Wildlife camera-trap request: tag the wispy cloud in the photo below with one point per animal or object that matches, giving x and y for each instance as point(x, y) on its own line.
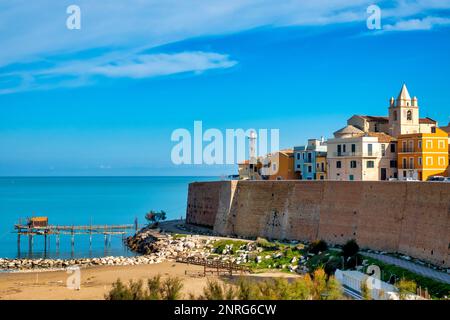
point(34, 32)
point(427, 23)
point(80, 72)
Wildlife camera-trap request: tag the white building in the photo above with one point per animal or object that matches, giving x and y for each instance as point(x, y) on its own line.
point(353, 281)
point(361, 156)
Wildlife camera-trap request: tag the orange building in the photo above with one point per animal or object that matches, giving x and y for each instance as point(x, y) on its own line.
point(422, 155)
point(279, 166)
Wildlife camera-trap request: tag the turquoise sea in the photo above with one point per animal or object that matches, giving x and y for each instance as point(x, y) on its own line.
point(82, 201)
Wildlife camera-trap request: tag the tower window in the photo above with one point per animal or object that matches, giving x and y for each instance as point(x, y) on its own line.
point(395, 115)
point(409, 115)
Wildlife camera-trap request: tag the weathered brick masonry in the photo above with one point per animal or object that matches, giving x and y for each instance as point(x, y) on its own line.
point(407, 217)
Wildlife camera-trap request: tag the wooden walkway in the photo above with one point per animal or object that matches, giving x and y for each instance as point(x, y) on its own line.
point(217, 267)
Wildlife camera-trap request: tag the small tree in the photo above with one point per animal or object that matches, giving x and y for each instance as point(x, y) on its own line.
point(154, 217)
point(318, 246)
point(350, 248)
point(406, 287)
point(365, 291)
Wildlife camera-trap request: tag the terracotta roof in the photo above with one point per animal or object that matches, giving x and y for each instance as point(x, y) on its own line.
point(287, 152)
point(348, 130)
point(382, 137)
point(376, 118)
point(427, 121)
point(446, 129)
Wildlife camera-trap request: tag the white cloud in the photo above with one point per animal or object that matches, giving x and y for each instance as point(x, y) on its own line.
point(427, 23)
point(138, 66)
point(164, 64)
point(33, 32)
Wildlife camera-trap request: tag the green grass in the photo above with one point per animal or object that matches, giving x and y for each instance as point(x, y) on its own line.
point(288, 252)
point(177, 236)
point(436, 289)
point(221, 244)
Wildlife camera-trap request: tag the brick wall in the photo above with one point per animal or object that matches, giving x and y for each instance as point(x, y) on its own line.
point(408, 217)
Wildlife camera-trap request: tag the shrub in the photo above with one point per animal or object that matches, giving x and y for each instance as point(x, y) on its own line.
point(169, 289)
point(267, 245)
point(317, 246)
point(331, 265)
point(406, 287)
point(350, 248)
point(216, 291)
point(365, 291)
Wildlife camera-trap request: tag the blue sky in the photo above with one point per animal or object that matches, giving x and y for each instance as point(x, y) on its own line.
point(105, 99)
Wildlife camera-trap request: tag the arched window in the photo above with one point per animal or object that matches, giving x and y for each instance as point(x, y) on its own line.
point(409, 115)
point(395, 115)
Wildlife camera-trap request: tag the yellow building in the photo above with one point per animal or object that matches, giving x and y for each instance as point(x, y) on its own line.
point(422, 155)
point(447, 129)
point(321, 167)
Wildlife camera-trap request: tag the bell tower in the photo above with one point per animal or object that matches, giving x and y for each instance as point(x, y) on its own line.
point(403, 114)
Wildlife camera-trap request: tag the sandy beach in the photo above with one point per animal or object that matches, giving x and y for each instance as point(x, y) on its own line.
point(96, 281)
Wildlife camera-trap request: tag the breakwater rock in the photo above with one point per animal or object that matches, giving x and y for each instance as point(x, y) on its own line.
point(152, 241)
point(55, 264)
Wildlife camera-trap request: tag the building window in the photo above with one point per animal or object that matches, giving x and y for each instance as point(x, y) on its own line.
point(429, 161)
point(353, 148)
point(383, 150)
point(274, 167)
point(344, 148)
point(429, 144)
point(321, 177)
point(376, 127)
point(419, 144)
point(351, 177)
point(370, 164)
point(353, 164)
point(404, 146)
point(338, 164)
point(309, 169)
point(309, 157)
point(419, 161)
point(298, 156)
point(411, 146)
point(298, 166)
point(441, 161)
point(303, 156)
point(404, 163)
point(323, 167)
point(393, 147)
point(411, 163)
point(393, 163)
point(409, 115)
point(441, 144)
point(433, 129)
point(369, 149)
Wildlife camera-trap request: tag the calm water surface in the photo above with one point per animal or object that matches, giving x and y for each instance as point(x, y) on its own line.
point(81, 201)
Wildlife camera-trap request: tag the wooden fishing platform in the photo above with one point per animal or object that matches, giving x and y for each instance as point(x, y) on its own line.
point(38, 226)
